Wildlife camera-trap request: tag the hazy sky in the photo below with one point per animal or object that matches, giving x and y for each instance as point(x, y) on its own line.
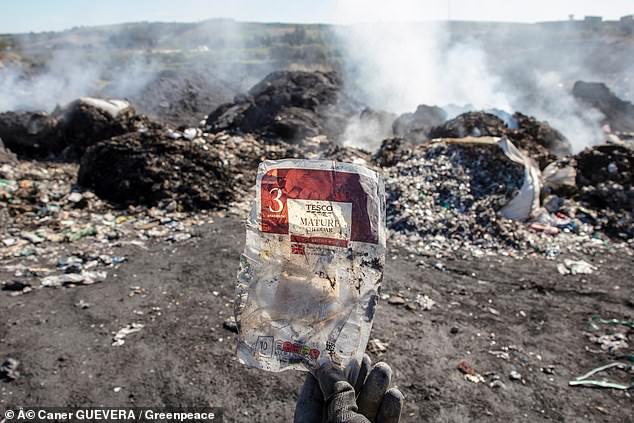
point(43, 15)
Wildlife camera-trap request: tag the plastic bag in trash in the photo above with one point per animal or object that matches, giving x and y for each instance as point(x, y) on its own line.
point(312, 265)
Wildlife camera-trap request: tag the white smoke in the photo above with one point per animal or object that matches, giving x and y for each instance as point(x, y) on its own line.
point(119, 65)
point(395, 66)
point(70, 73)
point(64, 82)
point(389, 65)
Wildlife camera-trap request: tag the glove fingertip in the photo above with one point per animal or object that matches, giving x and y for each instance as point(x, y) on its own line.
point(383, 367)
point(391, 406)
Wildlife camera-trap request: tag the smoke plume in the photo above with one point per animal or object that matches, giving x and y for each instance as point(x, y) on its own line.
point(397, 66)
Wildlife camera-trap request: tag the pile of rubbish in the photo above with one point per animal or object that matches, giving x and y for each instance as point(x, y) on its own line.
point(542, 142)
point(177, 96)
point(470, 124)
point(69, 131)
point(456, 193)
point(593, 187)
point(416, 127)
point(150, 167)
point(288, 106)
point(539, 139)
point(604, 188)
point(87, 121)
point(451, 193)
point(30, 134)
point(6, 156)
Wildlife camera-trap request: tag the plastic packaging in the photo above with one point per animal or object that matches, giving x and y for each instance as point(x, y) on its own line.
point(312, 265)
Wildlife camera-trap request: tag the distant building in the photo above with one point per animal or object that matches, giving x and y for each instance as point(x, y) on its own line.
point(627, 24)
point(593, 19)
point(593, 22)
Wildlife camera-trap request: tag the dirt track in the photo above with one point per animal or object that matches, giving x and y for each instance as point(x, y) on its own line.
point(183, 356)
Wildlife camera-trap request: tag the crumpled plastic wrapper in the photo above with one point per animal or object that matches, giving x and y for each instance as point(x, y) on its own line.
point(312, 265)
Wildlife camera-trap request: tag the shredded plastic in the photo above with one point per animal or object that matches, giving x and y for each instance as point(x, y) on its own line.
point(312, 265)
point(584, 381)
point(598, 319)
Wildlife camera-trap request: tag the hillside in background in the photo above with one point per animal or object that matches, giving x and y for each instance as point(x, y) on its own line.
point(177, 71)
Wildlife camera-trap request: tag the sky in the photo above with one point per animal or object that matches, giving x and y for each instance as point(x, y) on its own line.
point(54, 15)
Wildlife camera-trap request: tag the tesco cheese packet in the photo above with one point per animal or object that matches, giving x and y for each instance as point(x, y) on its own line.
point(312, 265)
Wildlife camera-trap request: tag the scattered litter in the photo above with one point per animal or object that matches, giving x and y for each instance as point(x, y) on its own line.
point(31, 237)
point(75, 197)
point(613, 168)
point(425, 302)
point(376, 346)
point(230, 324)
point(469, 372)
point(83, 278)
point(15, 286)
point(191, 133)
point(8, 369)
point(83, 304)
point(45, 219)
point(440, 266)
point(575, 267)
point(504, 355)
point(497, 384)
point(515, 375)
point(119, 337)
point(8, 242)
point(77, 235)
point(396, 300)
point(584, 381)
point(610, 343)
point(597, 319)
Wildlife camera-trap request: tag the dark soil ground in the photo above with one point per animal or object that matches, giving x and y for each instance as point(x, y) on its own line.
point(183, 356)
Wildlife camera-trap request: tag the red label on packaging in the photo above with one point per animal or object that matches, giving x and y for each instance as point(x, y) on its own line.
point(280, 185)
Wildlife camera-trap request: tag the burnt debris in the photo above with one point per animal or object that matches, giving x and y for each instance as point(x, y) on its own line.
point(619, 114)
point(68, 131)
point(287, 106)
point(416, 126)
point(148, 167)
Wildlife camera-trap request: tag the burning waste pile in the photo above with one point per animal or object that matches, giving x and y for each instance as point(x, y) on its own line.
point(486, 182)
point(67, 132)
point(466, 193)
point(460, 190)
point(288, 106)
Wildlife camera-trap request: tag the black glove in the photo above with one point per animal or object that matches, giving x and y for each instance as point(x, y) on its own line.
point(329, 397)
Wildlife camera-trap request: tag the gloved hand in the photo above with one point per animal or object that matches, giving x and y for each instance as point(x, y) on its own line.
point(329, 397)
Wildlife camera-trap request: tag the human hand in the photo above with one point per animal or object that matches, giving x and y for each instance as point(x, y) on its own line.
point(329, 397)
